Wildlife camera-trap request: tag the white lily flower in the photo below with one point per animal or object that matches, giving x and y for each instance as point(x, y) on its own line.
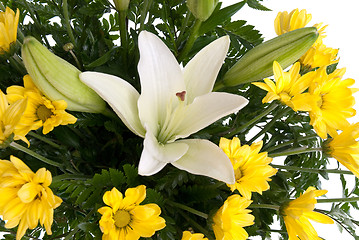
point(174, 103)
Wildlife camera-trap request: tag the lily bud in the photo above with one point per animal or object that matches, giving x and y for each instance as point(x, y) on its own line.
point(257, 63)
point(121, 5)
point(202, 9)
point(58, 79)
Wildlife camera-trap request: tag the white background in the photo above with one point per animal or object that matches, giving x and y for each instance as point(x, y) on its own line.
point(342, 19)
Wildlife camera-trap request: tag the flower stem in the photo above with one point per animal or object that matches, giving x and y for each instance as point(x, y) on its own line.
point(267, 206)
point(239, 129)
point(44, 139)
point(67, 22)
point(146, 6)
point(190, 41)
point(65, 176)
point(17, 63)
point(197, 226)
point(188, 209)
point(123, 28)
point(294, 151)
point(334, 200)
point(300, 139)
point(269, 125)
point(311, 170)
point(16, 146)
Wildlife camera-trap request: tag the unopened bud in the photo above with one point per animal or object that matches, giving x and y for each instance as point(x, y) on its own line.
point(121, 5)
point(257, 63)
point(202, 9)
point(58, 79)
point(68, 46)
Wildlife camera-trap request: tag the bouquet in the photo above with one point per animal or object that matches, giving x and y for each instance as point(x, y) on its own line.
point(166, 120)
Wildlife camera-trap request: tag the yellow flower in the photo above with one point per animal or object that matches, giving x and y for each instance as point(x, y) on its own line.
point(8, 28)
point(251, 168)
point(296, 19)
point(318, 55)
point(40, 110)
point(344, 148)
point(11, 119)
point(297, 213)
point(125, 219)
point(334, 101)
point(231, 218)
point(26, 198)
point(187, 235)
point(288, 87)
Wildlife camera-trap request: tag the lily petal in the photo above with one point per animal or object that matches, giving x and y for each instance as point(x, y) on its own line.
point(155, 155)
point(119, 94)
point(161, 78)
point(205, 158)
point(207, 109)
point(201, 72)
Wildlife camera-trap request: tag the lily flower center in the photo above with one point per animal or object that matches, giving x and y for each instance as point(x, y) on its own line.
point(43, 113)
point(181, 95)
point(122, 218)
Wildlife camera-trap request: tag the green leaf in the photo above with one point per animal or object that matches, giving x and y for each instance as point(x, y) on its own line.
point(256, 5)
point(219, 17)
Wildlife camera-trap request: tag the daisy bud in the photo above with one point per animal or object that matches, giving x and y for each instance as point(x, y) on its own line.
point(58, 79)
point(121, 5)
point(257, 63)
point(202, 9)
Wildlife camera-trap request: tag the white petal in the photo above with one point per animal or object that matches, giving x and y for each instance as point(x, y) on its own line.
point(155, 155)
point(119, 94)
point(207, 109)
point(201, 72)
point(161, 78)
point(205, 158)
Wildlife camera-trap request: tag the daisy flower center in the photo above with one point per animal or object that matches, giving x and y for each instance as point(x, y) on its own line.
point(43, 113)
point(122, 218)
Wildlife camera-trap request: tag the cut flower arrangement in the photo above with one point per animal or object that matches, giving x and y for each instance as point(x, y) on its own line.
point(162, 120)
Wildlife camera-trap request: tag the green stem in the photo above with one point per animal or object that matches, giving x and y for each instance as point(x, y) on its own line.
point(183, 27)
point(16, 146)
point(239, 129)
point(2, 7)
point(300, 139)
point(340, 200)
point(269, 125)
point(311, 170)
point(190, 41)
point(123, 28)
point(67, 22)
point(188, 209)
point(294, 151)
point(146, 7)
point(197, 226)
point(45, 140)
point(69, 176)
point(267, 206)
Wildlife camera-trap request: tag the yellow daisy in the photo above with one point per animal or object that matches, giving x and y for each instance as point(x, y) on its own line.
point(40, 110)
point(187, 235)
point(26, 198)
point(334, 101)
point(11, 120)
point(251, 168)
point(296, 19)
point(344, 148)
point(123, 217)
point(230, 219)
point(297, 213)
point(288, 87)
point(8, 28)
